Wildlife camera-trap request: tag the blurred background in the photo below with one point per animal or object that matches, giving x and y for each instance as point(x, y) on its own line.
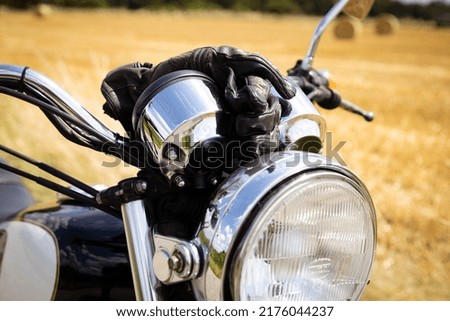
point(396, 63)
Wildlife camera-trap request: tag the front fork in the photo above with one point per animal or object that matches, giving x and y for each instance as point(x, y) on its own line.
point(154, 259)
point(140, 250)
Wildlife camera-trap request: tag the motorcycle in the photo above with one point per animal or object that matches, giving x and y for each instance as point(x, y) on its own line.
point(204, 218)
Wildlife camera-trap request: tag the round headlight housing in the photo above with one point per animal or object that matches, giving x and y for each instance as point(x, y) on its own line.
point(293, 226)
point(311, 239)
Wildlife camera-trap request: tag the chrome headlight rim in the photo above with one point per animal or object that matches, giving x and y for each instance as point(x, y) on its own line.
point(259, 214)
point(228, 209)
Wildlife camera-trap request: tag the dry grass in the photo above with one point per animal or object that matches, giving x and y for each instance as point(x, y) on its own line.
point(403, 78)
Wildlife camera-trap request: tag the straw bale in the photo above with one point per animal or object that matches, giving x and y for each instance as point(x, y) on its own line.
point(42, 10)
point(347, 28)
point(386, 24)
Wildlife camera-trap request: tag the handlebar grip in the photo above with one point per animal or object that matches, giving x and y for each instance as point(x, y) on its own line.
point(328, 98)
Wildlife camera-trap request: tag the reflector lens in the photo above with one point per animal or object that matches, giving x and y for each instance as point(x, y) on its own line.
point(313, 239)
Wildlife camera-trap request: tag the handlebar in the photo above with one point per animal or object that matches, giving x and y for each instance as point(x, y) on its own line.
point(71, 119)
point(33, 83)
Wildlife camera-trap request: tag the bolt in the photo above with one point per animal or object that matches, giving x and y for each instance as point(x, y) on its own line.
point(141, 186)
point(176, 262)
point(171, 154)
point(213, 180)
point(179, 181)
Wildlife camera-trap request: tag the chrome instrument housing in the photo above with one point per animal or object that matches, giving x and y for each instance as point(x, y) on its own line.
point(178, 112)
point(174, 115)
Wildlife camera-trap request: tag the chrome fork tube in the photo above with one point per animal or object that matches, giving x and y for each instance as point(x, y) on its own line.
point(140, 250)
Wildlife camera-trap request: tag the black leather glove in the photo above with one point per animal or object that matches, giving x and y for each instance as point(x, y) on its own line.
point(256, 111)
point(121, 89)
point(244, 78)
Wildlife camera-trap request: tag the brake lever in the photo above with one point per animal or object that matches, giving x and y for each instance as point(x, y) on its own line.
point(327, 98)
point(330, 99)
point(351, 107)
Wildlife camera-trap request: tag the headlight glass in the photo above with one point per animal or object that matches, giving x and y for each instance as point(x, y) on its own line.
point(312, 239)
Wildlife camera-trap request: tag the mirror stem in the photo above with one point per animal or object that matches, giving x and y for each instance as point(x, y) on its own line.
point(334, 11)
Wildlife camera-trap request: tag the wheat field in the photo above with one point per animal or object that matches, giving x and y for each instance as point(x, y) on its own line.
point(404, 78)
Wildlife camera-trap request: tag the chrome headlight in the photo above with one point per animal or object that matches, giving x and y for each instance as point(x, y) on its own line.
point(292, 227)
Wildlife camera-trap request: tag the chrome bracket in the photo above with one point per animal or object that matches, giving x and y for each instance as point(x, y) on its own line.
point(175, 260)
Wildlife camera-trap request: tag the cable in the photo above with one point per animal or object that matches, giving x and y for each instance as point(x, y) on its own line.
point(121, 145)
point(53, 171)
point(61, 189)
point(51, 109)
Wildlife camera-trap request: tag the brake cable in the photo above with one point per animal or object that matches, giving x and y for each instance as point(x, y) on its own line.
point(60, 188)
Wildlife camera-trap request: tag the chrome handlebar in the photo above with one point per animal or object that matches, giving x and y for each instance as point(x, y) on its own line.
point(43, 88)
